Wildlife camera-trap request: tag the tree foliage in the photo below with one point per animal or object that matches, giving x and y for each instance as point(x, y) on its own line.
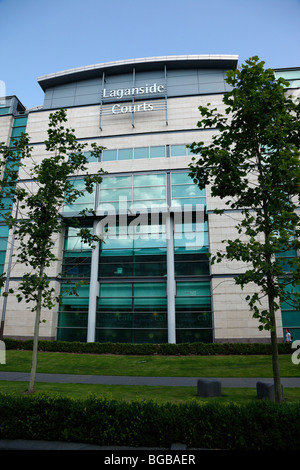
point(39, 222)
point(252, 164)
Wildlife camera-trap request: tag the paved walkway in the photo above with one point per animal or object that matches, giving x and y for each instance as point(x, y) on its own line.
point(125, 380)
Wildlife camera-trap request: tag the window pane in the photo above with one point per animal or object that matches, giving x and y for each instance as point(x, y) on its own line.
point(117, 290)
point(187, 190)
point(141, 152)
point(192, 289)
point(156, 152)
point(89, 157)
point(149, 180)
point(178, 150)
point(116, 182)
point(194, 335)
point(125, 154)
point(20, 122)
point(72, 319)
point(3, 243)
point(158, 192)
point(16, 132)
point(181, 178)
point(2, 257)
point(4, 230)
point(109, 155)
point(68, 298)
point(115, 297)
point(114, 194)
point(72, 334)
point(149, 289)
point(86, 197)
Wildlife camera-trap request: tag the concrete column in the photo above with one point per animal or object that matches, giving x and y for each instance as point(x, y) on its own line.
point(171, 285)
point(94, 285)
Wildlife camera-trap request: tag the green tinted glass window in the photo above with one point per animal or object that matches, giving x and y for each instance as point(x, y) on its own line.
point(86, 196)
point(109, 155)
point(117, 290)
point(90, 157)
point(181, 178)
point(125, 154)
point(178, 150)
point(116, 182)
point(4, 231)
point(149, 180)
point(69, 298)
point(187, 191)
point(115, 194)
point(155, 192)
point(141, 152)
point(149, 289)
point(22, 121)
point(156, 152)
point(193, 289)
point(16, 132)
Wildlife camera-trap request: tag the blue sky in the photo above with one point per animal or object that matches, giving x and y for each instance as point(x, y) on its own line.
point(39, 37)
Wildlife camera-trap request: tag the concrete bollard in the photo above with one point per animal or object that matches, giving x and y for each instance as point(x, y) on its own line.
point(209, 388)
point(266, 390)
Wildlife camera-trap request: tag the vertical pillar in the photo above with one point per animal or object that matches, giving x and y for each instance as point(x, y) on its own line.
point(94, 286)
point(171, 286)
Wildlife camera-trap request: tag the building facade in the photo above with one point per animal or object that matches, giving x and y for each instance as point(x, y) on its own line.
point(150, 280)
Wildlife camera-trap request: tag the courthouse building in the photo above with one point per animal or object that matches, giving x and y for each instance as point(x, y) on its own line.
point(150, 279)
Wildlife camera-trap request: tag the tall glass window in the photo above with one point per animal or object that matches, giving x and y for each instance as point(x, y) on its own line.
point(73, 313)
point(76, 257)
point(132, 304)
point(76, 266)
point(133, 251)
point(289, 311)
point(191, 249)
point(134, 312)
point(193, 312)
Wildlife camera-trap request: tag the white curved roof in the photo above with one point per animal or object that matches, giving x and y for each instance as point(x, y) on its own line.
point(147, 63)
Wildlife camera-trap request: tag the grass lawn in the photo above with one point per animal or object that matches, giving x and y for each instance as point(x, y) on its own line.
point(160, 394)
point(164, 366)
point(176, 366)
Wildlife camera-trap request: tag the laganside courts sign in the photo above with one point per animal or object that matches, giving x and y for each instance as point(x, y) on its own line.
point(133, 91)
point(121, 94)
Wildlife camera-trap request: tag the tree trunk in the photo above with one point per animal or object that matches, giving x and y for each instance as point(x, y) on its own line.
point(36, 337)
point(1, 329)
point(274, 346)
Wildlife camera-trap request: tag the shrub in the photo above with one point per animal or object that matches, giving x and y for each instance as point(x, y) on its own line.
point(147, 348)
point(261, 425)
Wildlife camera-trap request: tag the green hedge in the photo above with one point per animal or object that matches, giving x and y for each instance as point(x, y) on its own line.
point(261, 425)
point(146, 349)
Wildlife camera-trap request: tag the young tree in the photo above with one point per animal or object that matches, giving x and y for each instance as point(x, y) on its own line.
point(36, 230)
point(253, 164)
